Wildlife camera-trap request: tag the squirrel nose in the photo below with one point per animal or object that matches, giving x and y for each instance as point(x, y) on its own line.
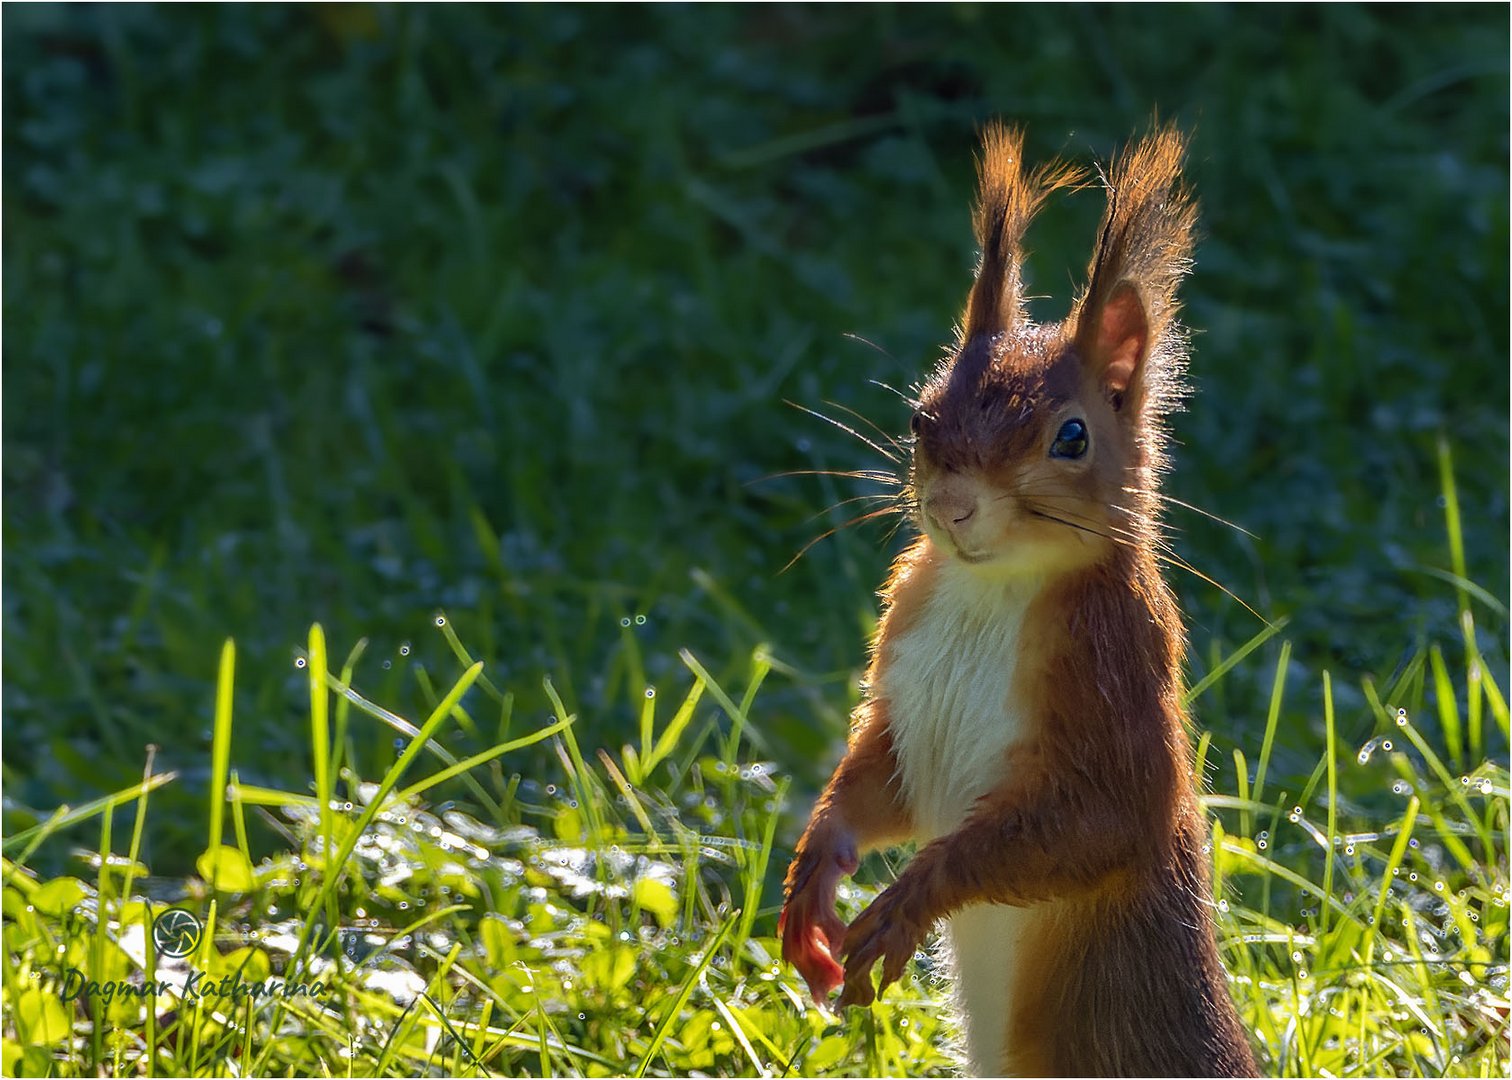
point(951, 508)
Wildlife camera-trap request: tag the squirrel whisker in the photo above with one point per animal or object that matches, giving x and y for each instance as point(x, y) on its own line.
point(831, 532)
point(876, 476)
point(845, 428)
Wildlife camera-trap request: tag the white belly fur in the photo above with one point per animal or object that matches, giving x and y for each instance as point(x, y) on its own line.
point(981, 941)
point(947, 682)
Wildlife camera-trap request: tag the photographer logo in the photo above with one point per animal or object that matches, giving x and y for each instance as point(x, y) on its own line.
point(176, 932)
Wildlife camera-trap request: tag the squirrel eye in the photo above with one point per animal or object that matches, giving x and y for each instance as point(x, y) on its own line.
point(1070, 441)
point(916, 422)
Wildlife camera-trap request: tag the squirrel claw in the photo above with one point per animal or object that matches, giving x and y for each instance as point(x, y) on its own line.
point(882, 932)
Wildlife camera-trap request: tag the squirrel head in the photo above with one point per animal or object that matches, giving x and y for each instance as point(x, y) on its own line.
point(1037, 447)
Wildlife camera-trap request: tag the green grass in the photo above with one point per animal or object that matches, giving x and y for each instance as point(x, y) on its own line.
point(363, 315)
point(617, 918)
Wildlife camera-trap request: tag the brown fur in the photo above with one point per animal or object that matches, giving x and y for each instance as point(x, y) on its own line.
point(1095, 826)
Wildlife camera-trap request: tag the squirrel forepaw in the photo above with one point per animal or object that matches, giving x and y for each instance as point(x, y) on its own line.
point(889, 930)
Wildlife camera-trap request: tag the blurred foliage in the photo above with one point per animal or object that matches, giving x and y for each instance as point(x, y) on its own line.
point(353, 313)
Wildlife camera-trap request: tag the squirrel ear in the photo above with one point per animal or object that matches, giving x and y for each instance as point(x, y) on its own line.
point(1117, 339)
point(1127, 315)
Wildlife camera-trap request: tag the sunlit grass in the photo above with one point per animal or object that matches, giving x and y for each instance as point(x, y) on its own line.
point(616, 920)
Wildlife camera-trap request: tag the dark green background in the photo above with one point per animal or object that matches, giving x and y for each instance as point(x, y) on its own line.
point(352, 314)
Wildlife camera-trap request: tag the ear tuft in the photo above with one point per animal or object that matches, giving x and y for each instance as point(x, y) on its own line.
point(1008, 197)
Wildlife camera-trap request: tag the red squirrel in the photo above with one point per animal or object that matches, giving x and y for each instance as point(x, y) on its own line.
point(1022, 715)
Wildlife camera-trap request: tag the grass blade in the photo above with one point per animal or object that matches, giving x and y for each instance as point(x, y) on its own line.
point(65, 817)
point(220, 754)
point(1272, 716)
point(1333, 803)
point(483, 757)
point(1228, 662)
point(1448, 708)
point(669, 738)
point(320, 732)
point(1393, 862)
